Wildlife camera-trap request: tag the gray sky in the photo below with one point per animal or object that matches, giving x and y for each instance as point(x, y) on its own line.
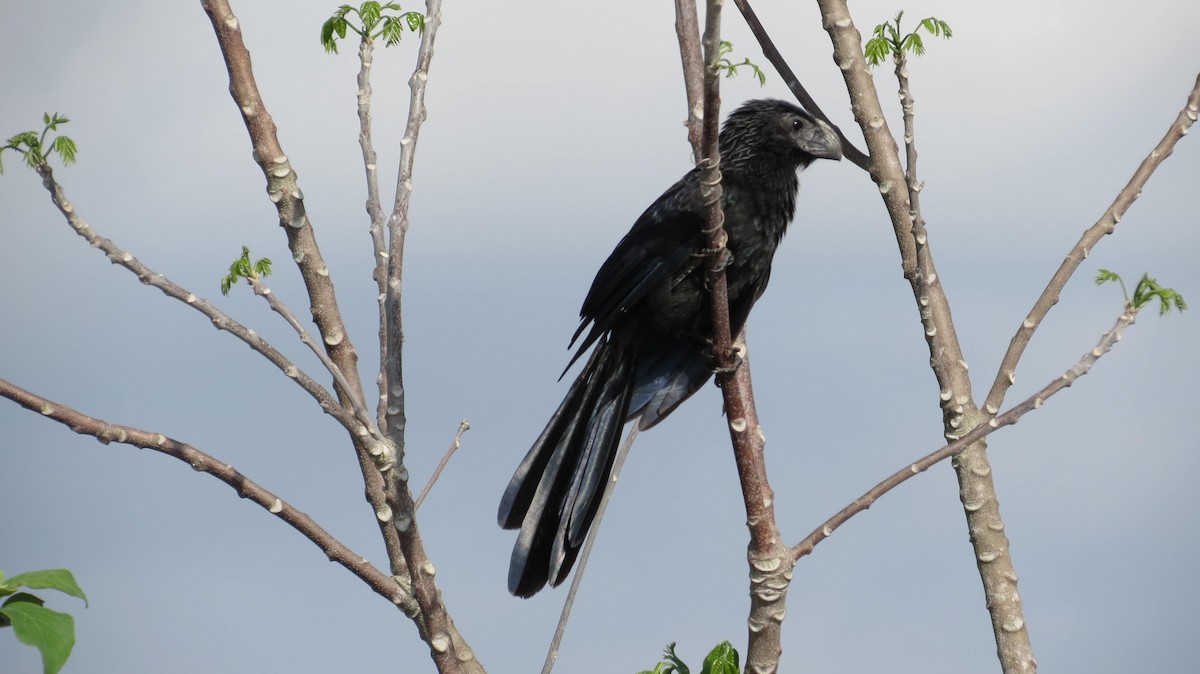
point(551, 126)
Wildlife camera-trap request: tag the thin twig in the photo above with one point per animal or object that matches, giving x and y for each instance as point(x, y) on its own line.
point(849, 150)
point(463, 427)
point(586, 552)
point(220, 320)
point(688, 30)
point(1033, 402)
point(335, 550)
point(360, 409)
point(391, 367)
point(366, 52)
point(1007, 374)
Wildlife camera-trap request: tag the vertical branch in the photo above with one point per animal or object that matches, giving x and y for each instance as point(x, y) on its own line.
point(449, 653)
point(959, 413)
point(284, 192)
point(386, 487)
point(366, 56)
point(688, 30)
point(769, 560)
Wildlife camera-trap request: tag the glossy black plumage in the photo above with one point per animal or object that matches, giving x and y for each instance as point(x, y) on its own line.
point(647, 315)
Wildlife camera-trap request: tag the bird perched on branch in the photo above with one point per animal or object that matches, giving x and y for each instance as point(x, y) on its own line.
point(650, 322)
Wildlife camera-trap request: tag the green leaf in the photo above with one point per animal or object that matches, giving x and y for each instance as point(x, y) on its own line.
point(48, 579)
point(50, 632)
point(416, 21)
point(262, 266)
point(721, 660)
point(877, 50)
point(65, 147)
point(369, 12)
point(1148, 290)
point(327, 30)
point(912, 42)
point(393, 30)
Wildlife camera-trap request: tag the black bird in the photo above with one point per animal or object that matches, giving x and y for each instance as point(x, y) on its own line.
point(648, 309)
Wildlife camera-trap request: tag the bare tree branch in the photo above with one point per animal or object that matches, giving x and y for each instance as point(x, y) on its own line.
point(959, 413)
point(392, 371)
point(1033, 402)
point(688, 30)
point(849, 150)
point(769, 560)
point(463, 427)
point(219, 319)
point(284, 192)
point(381, 583)
point(586, 552)
point(366, 53)
point(359, 407)
point(387, 491)
point(1007, 373)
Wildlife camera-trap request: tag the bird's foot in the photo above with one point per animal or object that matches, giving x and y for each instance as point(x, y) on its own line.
point(728, 364)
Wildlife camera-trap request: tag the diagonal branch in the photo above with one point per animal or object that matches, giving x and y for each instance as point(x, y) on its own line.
point(959, 414)
point(219, 319)
point(1033, 402)
point(849, 150)
point(1007, 373)
point(463, 427)
point(360, 409)
point(381, 583)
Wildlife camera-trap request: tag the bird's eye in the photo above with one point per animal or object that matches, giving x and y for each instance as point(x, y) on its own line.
point(796, 124)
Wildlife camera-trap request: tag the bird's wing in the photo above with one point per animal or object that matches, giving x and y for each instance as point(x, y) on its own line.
point(660, 245)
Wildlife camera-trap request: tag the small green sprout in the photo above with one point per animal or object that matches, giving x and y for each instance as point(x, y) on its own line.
point(372, 24)
point(888, 40)
point(730, 67)
point(1146, 291)
point(242, 268)
point(36, 150)
point(721, 660)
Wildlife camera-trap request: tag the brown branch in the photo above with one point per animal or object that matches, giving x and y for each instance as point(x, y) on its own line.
point(387, 492)
point(959, 413)
point(284, 192)
point(1007, 373)
point(769, 560)
point(688, 30)
point(849, 150)
point(381, 583)
point(1033, 402)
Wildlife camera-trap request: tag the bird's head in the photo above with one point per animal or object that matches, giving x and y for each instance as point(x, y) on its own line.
point(771, 127)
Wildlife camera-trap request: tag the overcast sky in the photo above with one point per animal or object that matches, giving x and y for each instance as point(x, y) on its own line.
point(551, 126)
